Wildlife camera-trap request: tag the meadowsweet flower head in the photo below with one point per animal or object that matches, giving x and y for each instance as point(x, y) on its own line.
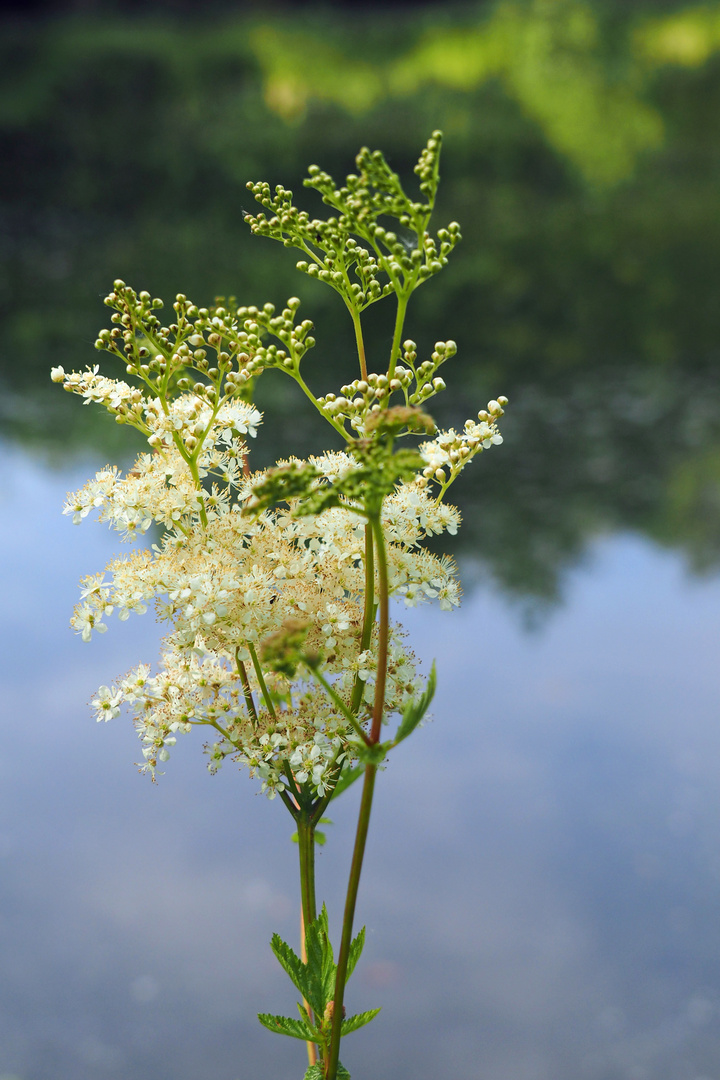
point(262, 578)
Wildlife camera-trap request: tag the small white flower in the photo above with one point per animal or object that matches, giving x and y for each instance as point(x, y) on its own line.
point(107, 703)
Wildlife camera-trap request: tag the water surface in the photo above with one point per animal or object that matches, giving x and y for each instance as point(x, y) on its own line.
point(543, 874)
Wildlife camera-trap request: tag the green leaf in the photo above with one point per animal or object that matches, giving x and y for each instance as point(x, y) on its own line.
point(306, 1018)
point(315, 1072)
point(285, 1025)
point(374, 754)
point(359, 1020)
point(356, 947)
point(347, 777)
point(320, 963)
point(416, 709)
point(282, 484)
point(292, 964)
point(320, 837)
point(321, 968)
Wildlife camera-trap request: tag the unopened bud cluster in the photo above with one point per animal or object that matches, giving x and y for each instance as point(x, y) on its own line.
point(362, 398)
point(350, 250)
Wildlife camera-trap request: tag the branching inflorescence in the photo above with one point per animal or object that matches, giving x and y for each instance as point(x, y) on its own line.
point(275, 585)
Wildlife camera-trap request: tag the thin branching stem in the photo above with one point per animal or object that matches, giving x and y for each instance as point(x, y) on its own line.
point(365, 800)
point(397, 334)
point(247, 692)
point(261, 680)
point(368, 614)
point(339, 703)
point(311, 1047)
point(306, 843)
point(348, 918)
point(309, 394)
point(359, 341)
point(383, 630)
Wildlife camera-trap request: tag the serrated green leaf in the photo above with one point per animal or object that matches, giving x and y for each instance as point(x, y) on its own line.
point(416, 709)
point(356, 947)
point(315, 1072)
point(292, 963)
point(285, 1025)
point(305, 1017)
point(320, 963)
point(352, 1023)
point(347, 778)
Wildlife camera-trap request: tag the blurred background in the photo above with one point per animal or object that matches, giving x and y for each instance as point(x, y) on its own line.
point(542, 884)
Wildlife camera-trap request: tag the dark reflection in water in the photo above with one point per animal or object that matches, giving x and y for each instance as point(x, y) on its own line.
point(585, 288)
point(542, 882)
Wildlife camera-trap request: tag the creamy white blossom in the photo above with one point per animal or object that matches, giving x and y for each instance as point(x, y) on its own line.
point(223, 582)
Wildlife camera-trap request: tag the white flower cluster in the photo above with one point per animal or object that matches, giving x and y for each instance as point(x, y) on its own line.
point(194, 419)
point(450, 451)
point(224, 582)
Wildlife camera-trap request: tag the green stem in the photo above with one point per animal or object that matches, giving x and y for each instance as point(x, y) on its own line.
point(338, 702)
point(365, 802)
point(306, 844)
point(308, 393)
point(192, 466)
point(292, 784)
point(247, 692)
point(288, 802)
point(348, 917)
point(384, 629)
point(368, 614)
point(218, 727)
point(359, 340)
point(397, 335)
point(261, 680)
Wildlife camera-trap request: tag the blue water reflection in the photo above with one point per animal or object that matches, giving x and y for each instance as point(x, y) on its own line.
point(543, 875)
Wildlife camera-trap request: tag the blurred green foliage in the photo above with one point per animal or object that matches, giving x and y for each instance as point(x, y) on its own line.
point(581, 159)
